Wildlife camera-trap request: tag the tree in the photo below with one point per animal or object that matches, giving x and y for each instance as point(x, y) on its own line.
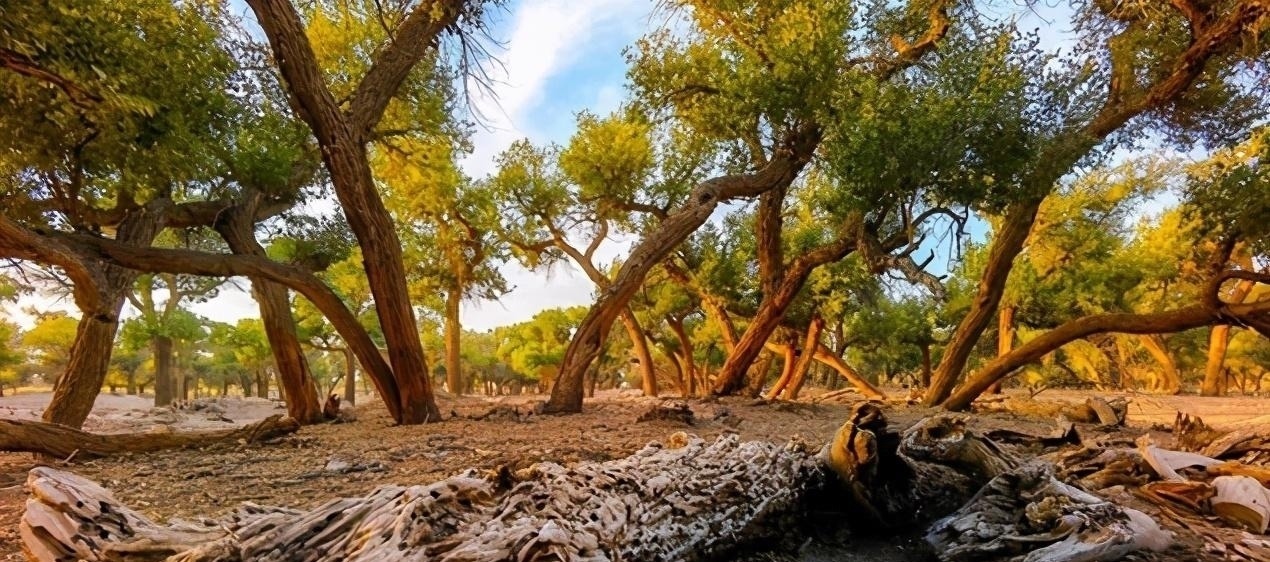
point(48, 342)
point(1168, 69)
point(553, 194)
point(342, 135)
point(749, 99)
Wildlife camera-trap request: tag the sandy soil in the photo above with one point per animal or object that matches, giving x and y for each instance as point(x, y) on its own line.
point(294, 471)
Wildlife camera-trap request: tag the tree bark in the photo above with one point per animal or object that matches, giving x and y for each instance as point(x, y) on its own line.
point(299, 280)
point(1005, 339)
point(1169, 382)
point(61, 442)
point(1066, 151)
point(806, 358)
point(584, 348)
point(676, 324)
point(925, 365)
point(835, 362)
point(1185, 318)
point(163, 383)
point(789, 358)
point(350, 376)
point(453, 333)
point(639, 342)
point(238, 231)
point(772, 310)
point(342, 137)
point(1218, 339)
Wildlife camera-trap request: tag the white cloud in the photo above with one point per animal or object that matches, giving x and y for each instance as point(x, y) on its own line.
point(546, 38)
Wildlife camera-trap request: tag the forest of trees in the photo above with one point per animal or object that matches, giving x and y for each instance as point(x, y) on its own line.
point(828, 193)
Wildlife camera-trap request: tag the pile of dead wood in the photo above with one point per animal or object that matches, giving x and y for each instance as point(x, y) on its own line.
point(1055, 498)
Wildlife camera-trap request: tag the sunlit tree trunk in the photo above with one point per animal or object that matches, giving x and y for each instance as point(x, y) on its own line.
point(806, 358)
point(453, 333)
point(1218, 340)
point(1169, 381)
point(1005, 339)
point(161, 346)
point(639, 343)
point(350, 376)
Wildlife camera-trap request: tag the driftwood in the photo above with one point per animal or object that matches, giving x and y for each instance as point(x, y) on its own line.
point(687, 500)
point(1242, 501)
point(62, 441)
point(1031, 513)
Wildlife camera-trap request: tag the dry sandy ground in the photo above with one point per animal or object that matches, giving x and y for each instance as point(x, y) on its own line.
point(294, 471)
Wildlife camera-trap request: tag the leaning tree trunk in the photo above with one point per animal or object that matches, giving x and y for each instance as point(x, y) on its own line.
point(63, 442)
point(76, 389)
point(342, 139)
point(772, 310)
point(1218, 340)
point(163, 383)
point(350, 376)
point(1007, 244)
point(1193, 316)
point(453, 333)
point(237, 227)
point(789, 358)
point(805, 360)
point(676, 324)
point(639, 342)
point(584, 348)
point(1169, 381)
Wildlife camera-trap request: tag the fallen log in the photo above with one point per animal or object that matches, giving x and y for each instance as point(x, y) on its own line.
point(62, 441)
point(689, 500)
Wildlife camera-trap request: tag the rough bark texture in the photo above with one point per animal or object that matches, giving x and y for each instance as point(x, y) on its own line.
point(1005, 339)
point(686, 363)
point(77, 388)
point(789, 358)
point(805, 359)
point(342, 137)
point(1214, 38)
point(238, 230)
point(688, 501)
point(62, 442)
point(1218, 339)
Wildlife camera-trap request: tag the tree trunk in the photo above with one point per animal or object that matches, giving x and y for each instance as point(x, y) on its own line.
point(262, 383)
point(341, 137)
point(806, 358)
point(925, 365)
point(1005, 339)
point(758, 376)
point(61, 441)
point(237, 227)
point(639, 343)
point(89, 356)
point(772, 310)
point(584, 348)
point(350, 377)
point(789, 358)
point(1185, 318)
point(676, 324)
point(1218, 339)
point(453, 332)
point(163, 391)
point(1006, 246)
point(1169, 382)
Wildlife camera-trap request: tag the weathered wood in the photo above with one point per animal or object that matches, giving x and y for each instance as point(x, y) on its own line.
point(63, 441)
point(700, 501)
point(1242, 501)
point(1030, 514)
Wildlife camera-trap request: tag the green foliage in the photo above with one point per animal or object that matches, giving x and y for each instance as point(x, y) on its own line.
point(536, 347)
